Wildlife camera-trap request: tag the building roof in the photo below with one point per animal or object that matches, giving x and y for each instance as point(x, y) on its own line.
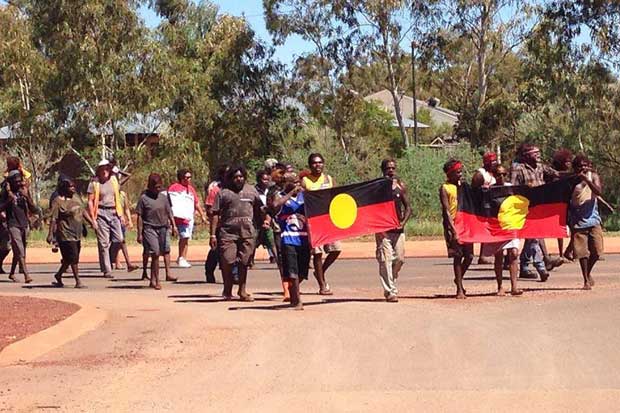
point(439, 115)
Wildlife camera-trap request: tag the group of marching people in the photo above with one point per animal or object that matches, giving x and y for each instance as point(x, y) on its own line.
point(271, 213)
point(584, 219)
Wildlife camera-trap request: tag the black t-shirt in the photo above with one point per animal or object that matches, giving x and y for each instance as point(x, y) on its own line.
point(154, 209)
point(16, 211)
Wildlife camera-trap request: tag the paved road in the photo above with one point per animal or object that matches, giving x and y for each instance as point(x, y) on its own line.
point(183, 349)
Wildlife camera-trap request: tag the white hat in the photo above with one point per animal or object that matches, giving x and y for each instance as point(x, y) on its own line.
point(103, 162)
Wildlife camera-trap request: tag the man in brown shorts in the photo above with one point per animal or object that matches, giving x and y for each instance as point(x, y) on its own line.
point(236, 208)
point(587, 234)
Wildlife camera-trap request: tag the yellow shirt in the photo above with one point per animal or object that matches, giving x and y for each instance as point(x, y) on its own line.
point(322, 182)
point(451, 190)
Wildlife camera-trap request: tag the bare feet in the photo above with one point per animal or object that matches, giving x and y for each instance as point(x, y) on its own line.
point(28, 280)
point(587, 286)
point(172, 279)
point(591, 280)
point(227, 297)
point(460, 295)
point(501, 292)
point(57, 284)
point(145, 276)
point(12, 278)
point(286, 299)
point(516, 292)
point(132, 268)
point(79, 285)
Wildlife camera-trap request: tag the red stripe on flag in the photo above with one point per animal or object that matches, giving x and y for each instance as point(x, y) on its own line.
point(370, 219)
point(542, 221)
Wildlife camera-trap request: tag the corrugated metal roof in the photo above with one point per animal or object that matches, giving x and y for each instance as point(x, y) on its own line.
point(439, 115)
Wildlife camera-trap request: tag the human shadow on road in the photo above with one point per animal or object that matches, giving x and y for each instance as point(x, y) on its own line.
point(443, 296)
point(489, 278)
point(196, 282)
point(128, 287)
point(286, 306)
point(33, 286)
point(553, 289)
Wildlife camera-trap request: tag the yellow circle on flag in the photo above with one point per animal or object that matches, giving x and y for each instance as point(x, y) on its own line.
point(513, 211)
point(343, 211)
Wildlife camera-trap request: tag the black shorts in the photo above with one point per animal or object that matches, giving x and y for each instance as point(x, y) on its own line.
point(70, 251)
point(295, 261)
point(155, 240)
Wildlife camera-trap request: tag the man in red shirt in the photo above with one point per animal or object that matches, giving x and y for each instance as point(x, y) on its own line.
point(185, 203)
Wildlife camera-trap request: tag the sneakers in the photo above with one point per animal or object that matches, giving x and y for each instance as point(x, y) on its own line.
point(182, 262)
point(528, 274)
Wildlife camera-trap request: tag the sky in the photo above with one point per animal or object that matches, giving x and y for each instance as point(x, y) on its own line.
point(252, 10)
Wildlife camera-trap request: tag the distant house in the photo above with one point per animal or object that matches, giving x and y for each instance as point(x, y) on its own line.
point(439, 115)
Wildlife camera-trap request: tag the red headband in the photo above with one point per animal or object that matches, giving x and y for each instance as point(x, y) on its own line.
point(454, 167)
point(489, 156)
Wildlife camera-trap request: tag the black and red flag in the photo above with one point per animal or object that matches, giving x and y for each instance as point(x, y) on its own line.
point(351, 210)
point(501, 213)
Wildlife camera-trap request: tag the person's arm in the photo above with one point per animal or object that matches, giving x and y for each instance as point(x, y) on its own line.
point(280, 200)
point(91, 206)
point(139, 225)
point(515, 175)
point(88, 219)
point(215, 220)
point(127, 213)
point(173, 225)
point(53, 218)
point(594, 183)
point(406, 203)
point(198, 206)
point(212, 230)
point(445, 210)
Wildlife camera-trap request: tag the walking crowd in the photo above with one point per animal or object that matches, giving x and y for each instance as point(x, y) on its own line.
point(271, 213)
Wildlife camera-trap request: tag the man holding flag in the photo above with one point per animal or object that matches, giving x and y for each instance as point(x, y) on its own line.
point(391, 244)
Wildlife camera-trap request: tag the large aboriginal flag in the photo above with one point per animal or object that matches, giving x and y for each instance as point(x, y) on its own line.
point(347, 211)
point(506, 212)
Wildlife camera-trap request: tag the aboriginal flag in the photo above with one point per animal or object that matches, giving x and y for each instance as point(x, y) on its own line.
point(347, 211)
point(501, 213)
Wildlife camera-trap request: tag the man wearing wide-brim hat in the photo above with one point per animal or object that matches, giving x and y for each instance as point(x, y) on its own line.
point(105, 208)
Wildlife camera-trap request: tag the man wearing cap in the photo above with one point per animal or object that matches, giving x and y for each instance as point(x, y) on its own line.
point(106, 210)
point(529, 170)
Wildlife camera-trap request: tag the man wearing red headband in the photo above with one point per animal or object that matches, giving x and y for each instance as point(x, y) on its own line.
point(484, 177)
point(462, 253)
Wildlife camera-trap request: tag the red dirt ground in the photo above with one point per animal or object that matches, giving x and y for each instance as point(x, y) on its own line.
point(24, 316)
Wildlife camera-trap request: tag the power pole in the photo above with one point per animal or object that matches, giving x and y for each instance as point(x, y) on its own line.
point(415, 103)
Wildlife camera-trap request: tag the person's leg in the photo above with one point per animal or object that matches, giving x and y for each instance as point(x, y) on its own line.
point(329, 260)
point(513, 265)
point(270, 245)
point(115, 259)
point(211, 265)
point(155, 272)
point(145, 263)
point(468, 258)
point(183, 243)
point(583, 263)
point(385, 258)
point(539, 260)
point(169, 276)
point(560, 246)
point(498, 266)
point(58, 275)
point(457, 266)
point(245, 248)
point(317, 261)
point(76, 275)
point(398, 244)
point(104, 242)
point(130, 266)
point(595, 246)
point(525, 258)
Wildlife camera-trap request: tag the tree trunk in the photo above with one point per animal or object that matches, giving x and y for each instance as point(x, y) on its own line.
point(387, 52)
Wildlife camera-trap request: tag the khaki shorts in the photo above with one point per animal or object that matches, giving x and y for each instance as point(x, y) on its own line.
point(588, 241)
point(327, 248)
point(240, 249)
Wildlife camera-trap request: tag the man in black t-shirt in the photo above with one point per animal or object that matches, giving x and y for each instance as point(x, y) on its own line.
point(16, 202)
